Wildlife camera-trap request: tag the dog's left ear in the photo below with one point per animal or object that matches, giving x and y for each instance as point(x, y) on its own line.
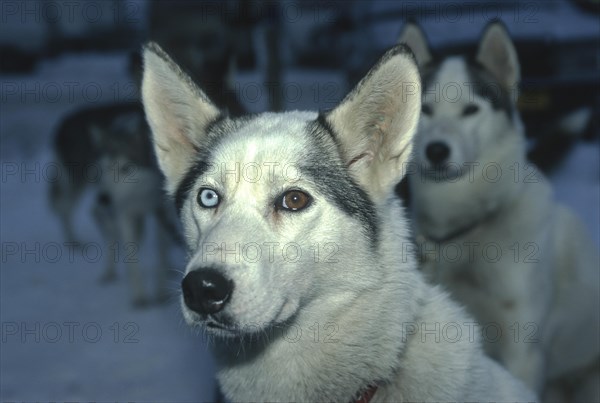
point(499, 56)
point(178, 113)
point(376, 122)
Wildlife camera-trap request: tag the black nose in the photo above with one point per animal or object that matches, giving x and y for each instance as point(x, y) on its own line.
point(206, 291)
point(437, 152)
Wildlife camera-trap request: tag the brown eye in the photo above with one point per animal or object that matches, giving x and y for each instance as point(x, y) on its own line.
point(293, 200)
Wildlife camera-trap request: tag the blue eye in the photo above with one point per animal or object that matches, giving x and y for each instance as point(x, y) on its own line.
point(208, 198)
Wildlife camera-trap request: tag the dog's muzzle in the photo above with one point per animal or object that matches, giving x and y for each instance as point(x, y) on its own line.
point(206, 291)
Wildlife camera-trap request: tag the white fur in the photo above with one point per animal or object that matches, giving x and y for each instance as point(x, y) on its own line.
point(543, 289)
point(323, 327)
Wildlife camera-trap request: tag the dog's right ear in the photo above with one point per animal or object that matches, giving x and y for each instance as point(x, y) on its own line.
point(178, 113)
point(498, 55)
point(413, 36)
point(376, 122)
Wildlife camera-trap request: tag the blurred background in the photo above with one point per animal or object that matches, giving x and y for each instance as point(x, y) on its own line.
point(74, 144)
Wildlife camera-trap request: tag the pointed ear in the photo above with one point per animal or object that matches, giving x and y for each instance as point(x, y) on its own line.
point(498, 55)
point(178, 113)
point(413, 36)
point(376, 122)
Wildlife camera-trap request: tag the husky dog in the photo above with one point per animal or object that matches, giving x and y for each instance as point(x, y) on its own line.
point(109, 147)
point(292, 229)
point(130, 190)
point(77, 153)
point(487, 227)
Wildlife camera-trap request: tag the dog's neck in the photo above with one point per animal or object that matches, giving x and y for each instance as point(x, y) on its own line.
point(456, 234)
point(332, 357)
point(526, 198)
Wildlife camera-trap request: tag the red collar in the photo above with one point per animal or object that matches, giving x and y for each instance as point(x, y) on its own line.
point(367, 394)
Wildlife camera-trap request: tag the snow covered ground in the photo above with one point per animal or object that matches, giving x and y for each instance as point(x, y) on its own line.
point(65, 336)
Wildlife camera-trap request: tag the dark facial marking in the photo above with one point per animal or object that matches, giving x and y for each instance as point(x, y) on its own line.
point(480, 82)
point(186, 185)
point(470, 109)
point(216, 131)
point(333, 180)
point(484, 84)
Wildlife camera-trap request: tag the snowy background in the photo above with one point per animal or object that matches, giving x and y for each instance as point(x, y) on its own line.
point(65, 336)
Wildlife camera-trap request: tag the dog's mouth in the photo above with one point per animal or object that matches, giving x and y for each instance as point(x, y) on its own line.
point(220, 325)
point(219, 329)
point(224, 325)
point(216, 325)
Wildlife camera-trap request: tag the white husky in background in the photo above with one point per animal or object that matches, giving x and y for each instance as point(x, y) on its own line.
point(292, 229)
point(487, 228)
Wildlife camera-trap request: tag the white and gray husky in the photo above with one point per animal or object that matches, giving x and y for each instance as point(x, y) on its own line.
point(293, 231)
point(488, 229)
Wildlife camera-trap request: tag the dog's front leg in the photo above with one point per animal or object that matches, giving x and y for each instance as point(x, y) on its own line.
point(163, 243)
point(522, 352)
point(104, 215)
point(130, 227)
